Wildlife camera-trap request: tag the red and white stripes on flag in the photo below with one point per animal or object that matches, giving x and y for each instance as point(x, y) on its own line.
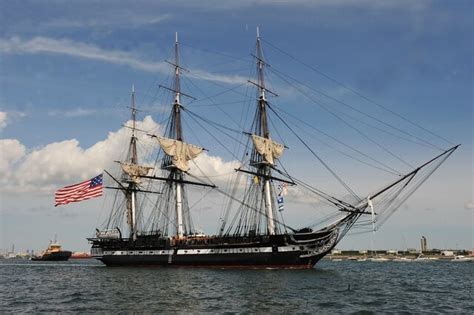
point(86, 190)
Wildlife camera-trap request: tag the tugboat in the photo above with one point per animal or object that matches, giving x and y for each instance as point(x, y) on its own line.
point(53, 253)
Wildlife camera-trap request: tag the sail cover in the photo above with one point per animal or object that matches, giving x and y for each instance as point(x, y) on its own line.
point(180, 151)
point(267, 148)
point(135, 171)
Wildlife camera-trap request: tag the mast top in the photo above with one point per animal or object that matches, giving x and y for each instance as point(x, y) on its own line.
point(133, 144)
point(176, 69)
point(134, 110)
point(260, 66)
point(177, 90)
point(176, 37)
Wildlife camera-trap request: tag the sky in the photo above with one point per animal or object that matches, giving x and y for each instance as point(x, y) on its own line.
point(67, 67)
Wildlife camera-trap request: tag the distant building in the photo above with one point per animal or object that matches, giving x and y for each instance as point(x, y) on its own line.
point(447, 253)
point(336, 252)
point(424, 244)
point(392, 252)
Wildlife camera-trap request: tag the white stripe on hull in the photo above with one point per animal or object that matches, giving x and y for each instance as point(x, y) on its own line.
point(204, 251)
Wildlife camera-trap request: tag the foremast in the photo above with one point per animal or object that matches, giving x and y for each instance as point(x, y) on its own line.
point(129, 168)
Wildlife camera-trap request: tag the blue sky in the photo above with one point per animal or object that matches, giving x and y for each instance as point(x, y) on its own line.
point(66, 70)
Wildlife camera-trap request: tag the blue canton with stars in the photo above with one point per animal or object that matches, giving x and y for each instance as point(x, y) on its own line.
point(96, 181)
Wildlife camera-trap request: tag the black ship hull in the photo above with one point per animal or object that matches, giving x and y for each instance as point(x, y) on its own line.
point(56, 256)
point(277, 251)
point(260, 260)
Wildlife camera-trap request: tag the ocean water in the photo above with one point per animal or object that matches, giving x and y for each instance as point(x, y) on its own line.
point(86, 286)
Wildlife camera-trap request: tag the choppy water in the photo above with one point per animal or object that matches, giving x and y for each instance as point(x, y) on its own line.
point(86, 286)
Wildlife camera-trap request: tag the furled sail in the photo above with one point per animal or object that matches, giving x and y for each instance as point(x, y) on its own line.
point(268, 148)
point(135, 171)
point(180, 151)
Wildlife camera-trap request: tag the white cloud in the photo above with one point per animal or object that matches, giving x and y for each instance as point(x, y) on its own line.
point(11, 150)
point(66, 162)
point(207, 76)
point(39, 45)
point(42, 170)
point(117, 19)
point(3, 120)
point(213, 167)
point(376, 4)
point(76, 112)
point(76, 49)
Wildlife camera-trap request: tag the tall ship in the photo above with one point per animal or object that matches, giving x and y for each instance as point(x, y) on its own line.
point(151, 219)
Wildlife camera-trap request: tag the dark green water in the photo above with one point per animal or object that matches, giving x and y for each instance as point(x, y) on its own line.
point(85, 286)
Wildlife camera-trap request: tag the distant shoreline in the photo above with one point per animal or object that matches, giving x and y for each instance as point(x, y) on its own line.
point(397, 255)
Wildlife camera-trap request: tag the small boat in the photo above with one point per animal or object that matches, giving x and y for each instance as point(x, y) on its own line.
point(379, 259)
point(421, 258)
point(80, 255)
point(402, 259)
point(53, 253)
point(461, 258)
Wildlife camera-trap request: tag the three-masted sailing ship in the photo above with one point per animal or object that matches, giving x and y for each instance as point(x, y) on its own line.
point(257, 235)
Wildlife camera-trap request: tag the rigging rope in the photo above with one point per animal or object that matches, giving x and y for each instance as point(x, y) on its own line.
point(347, 123)
point(315, 155)
point(215, 138)
point(357, 93)
point(426, 143)
point(388, 168)
point(218, 53)
point(243, 203)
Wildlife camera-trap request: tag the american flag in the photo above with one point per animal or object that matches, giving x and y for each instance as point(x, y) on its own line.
point(86, 190)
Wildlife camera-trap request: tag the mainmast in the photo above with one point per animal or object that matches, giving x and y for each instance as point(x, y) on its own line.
point(263, 131)
point(178, 136)
point(262, 102)
point(177, 89)
point(178, 153)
